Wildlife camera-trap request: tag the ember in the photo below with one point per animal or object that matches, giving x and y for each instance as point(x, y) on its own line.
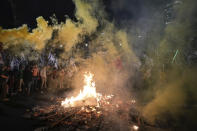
point(106, 117)
point(135, 127)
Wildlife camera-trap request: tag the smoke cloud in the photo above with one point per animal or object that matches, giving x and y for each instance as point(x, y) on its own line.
point(164, 40)
point(163, 37)
point(152, 49)
point(92, 41)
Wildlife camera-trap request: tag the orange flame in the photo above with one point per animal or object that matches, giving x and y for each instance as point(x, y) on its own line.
point(89, 91)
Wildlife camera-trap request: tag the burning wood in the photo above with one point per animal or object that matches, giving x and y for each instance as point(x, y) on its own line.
point(88, 110)
point(88, 96)
point(81, 117)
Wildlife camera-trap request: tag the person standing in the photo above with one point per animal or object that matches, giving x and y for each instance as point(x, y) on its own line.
point(3, 80)
point(28, 79)
point(21, 81)
point(35, 76)
point(10, 81)
point(1, 57)
point(43, 74)
point(61, 77)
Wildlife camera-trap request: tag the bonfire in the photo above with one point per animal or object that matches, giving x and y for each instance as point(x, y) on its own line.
point(87, 110)
point(87, 96)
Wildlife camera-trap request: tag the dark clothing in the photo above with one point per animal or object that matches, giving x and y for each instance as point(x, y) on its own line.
point(35, 83)
point(35, 74)
point(11, 81)
point(21, 74)
point(27, 75)
point(5, 73)
point(1, 79)
point(3, 83)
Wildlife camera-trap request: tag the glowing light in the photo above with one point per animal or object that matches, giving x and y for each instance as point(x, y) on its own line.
point(89, 91)
point(133, 101)
point(135, 127)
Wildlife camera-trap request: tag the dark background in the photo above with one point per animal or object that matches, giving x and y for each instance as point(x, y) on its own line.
point(14, 13)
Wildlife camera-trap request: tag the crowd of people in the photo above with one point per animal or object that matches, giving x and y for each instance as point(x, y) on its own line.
point(29, 79)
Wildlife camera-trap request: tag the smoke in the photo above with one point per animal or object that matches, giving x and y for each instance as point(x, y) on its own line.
point(165, 47)
point(163, 37)
point(157, 38)
point(177, 36)
point(91, 43)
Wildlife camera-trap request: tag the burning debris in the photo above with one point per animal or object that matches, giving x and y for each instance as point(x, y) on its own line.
point(105, 117)
point(88, 96)
point(90, 110)
point(87, 111)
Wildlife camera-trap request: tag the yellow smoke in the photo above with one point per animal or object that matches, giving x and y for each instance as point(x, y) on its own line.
point(41, 34)
point(13, 34)
point(83, 13)
point(69, 34)
point(170, 99)
point(108, 44)
point(38, 36)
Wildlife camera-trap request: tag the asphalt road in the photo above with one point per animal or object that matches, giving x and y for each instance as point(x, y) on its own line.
point(13, 112)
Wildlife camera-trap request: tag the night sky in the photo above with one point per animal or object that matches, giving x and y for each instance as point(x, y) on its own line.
point(26, 11)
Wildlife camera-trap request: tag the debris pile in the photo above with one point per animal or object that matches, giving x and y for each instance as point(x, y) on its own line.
point(107, 117)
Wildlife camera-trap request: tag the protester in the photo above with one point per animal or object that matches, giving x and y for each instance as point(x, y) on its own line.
point(1, 57)
point(61, 77)
point(4, 82)
point(55, 76)
point(16, 80)
point(11, 81)
point(35, 77)
point(43, 75)
point(21, 81)
point(28, 79)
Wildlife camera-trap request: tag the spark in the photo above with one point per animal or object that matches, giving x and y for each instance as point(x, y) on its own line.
point(135, 127)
